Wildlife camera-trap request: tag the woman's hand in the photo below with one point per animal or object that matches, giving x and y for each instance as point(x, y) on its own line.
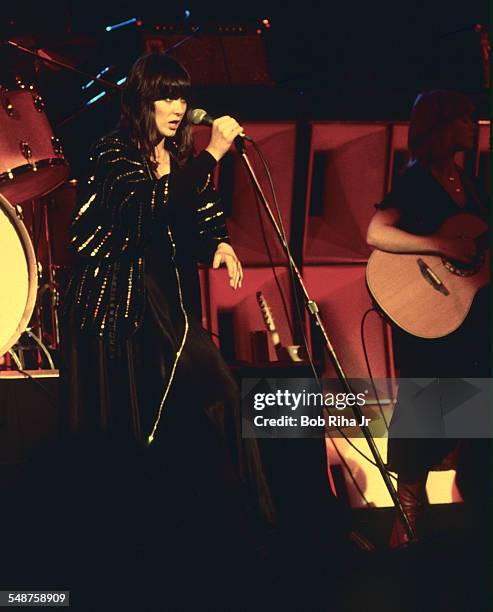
point(461, 248)
point(225, 255)
point(224, 131)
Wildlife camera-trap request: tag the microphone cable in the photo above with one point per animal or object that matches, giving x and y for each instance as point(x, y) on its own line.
point(368, 367)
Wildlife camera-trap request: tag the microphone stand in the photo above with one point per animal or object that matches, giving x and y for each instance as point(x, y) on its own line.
point(313, 310)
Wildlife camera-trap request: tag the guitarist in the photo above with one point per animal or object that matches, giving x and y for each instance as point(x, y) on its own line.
point(431, 189)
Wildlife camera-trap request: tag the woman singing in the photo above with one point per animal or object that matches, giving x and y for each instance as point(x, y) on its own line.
point(138, 363)
point(432, 189)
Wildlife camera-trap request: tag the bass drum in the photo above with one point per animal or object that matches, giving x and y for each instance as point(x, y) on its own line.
point(31, 158)
point(18, 276)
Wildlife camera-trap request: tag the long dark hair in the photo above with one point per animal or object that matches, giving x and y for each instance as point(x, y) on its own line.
point(155, 76)
point(431, 115)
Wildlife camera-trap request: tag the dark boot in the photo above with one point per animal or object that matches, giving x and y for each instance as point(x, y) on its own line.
point(412, 497)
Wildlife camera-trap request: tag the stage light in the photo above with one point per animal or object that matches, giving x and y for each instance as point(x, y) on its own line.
point(96, 98)
point(121, 24)
point(99, 75)
point(121, 81)
point(187, 14)
point(266, 23)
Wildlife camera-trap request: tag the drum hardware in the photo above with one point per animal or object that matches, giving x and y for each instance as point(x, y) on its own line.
point(48, 219)
point(19, 212)
point(45, 317)
point(52, 289)
point(42, 346)
point(39, 103)
point(15, 359)
point(28, 154)
point(60, 64)
point(51, 285)
point(19, 350)
point(7, 105)
point(20, 274)
point(21, 85)
point(40, 273)
point(55, 303)
point(57, 146)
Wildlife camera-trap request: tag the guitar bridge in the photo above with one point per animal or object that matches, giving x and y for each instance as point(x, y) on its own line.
point(431, 277)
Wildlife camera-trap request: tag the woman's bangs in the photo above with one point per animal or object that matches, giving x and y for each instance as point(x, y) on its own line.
point(171, 81)
point(174, 90)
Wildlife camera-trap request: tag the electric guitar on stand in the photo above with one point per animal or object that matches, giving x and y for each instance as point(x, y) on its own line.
point(428, 295)
point(292, 352)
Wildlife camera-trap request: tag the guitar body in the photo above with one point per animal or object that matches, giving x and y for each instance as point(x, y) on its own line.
point(427, 295)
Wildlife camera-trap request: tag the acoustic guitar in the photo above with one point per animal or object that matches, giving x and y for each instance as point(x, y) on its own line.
point(427, 295)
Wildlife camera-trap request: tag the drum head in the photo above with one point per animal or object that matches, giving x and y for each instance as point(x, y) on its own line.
point(18, 278)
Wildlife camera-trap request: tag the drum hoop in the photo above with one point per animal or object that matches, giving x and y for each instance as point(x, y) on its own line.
point(25, 168)
point(31, 269)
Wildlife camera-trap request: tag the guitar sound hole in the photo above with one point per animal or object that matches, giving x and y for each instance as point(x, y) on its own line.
point(463, 269)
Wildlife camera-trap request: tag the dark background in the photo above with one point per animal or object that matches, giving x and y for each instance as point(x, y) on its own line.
point(339, 60)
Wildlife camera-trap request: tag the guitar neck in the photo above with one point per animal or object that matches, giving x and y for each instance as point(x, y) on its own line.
point(284, 353)
point(268, 319)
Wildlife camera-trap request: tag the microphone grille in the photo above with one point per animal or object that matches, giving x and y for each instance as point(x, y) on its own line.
point(196, 115)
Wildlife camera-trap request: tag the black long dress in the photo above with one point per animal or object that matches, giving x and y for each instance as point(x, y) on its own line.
point(424, 206)
point(138, 364)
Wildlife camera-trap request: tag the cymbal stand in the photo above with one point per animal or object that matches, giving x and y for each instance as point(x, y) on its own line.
point(52, 285)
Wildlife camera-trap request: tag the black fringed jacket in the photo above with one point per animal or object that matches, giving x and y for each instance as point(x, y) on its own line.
point(112, 226)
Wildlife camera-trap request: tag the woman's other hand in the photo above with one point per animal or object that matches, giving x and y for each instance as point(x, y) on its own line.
point(225, 255)
point(224, 131)
point(461, 248)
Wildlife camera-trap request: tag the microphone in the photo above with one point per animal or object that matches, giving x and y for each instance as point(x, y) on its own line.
point(198, 116)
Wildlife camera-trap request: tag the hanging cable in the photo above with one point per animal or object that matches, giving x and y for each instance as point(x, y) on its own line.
point(367, 361)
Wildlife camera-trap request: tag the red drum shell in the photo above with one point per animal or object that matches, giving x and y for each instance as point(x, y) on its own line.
point(21, 122)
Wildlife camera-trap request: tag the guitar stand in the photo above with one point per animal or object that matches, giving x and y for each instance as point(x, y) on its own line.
point(312, 309)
